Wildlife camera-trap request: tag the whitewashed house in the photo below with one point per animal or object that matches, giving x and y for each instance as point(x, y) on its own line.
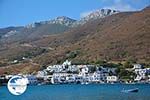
point(148, 78)
point(112, 79)
point(55, 68)
point(67, 63)
point(95, 77)
point(32, 80)
point(71, 78)
point(59, 77)
point(85, 70)
point(8, 76)
point(137, 66)
point(138, 78)
point(141, 73)
point(73, 68)
point(41, 74)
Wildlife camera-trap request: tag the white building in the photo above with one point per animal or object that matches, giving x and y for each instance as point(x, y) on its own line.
point(55, 68)
point(95, 77)
point(41, 73)
point(149, 78)
point(73, 68)
point(112, 79)
point(141, 73)
point(137, 66)
point(32, 79)
point(8, 76)
point(138, 78)
point(71, 78)
point(67, 63)
point(61, 68)
point(85, 70)
point(59, 77)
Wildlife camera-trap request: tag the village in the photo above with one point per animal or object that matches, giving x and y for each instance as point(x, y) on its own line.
point(67, 73)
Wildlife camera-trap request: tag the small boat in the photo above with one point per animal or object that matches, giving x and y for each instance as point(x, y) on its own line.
point(130, 90)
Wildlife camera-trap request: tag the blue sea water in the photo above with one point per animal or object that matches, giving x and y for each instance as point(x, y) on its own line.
point(79, 92)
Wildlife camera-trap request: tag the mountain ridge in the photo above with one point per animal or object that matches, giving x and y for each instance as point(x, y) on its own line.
point(118, 37)
point(57, 25)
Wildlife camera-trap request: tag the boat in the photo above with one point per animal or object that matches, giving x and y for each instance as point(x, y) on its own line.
point(130, 90)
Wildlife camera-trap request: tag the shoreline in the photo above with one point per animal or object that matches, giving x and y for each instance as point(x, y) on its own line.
point(89, 84)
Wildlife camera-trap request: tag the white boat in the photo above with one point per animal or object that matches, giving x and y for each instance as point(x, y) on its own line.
point(130, 90)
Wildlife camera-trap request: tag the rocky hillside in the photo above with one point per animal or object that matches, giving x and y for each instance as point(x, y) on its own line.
point(44, 28)
point(35, 30)
point(117, 37)
point(97, 14)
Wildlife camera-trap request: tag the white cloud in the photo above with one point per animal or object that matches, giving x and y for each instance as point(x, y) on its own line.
point(120, 5)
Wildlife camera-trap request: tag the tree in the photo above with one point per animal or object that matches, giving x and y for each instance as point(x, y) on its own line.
point(125, 74)
point(128, 64)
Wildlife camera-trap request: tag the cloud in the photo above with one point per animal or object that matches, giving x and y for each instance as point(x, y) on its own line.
point(120, 5)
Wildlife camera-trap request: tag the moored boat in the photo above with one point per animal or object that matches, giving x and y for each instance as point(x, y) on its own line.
point(130, 90)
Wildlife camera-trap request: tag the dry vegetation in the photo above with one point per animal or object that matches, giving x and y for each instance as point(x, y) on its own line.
point(115, 38)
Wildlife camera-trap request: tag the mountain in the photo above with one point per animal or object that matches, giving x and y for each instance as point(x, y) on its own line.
point(117, 37)
point(36, 30)
point(40, 29)
point(62, 20)
point(97, 14)
point(9, 30)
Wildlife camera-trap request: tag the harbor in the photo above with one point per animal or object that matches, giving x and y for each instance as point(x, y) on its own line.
point(79, 92)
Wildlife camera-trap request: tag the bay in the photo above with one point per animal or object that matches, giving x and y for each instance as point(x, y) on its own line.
point(79, 92)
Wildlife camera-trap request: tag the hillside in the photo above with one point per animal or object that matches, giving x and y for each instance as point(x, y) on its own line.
point(117, 37)
point(35, 30)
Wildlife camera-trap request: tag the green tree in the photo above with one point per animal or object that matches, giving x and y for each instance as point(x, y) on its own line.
point(127, 64)
point(125, 74)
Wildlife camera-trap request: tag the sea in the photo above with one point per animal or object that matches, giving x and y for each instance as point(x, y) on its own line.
point(79, 92)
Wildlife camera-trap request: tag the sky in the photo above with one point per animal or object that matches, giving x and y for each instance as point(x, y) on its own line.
point(23, 12)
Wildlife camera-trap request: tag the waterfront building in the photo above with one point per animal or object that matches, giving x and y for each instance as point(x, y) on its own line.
point(59, 77)
point(141, 74)
point(148, 78)
point(8, 76)
point(71, 78)
point(112, 79)
point(32, 80)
